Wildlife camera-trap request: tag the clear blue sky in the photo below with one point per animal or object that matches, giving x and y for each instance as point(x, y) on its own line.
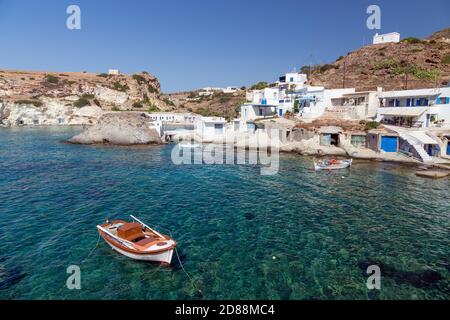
point(195, 43)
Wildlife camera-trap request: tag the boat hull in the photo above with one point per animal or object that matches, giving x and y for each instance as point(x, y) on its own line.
point(163, 257)
point(344, 164)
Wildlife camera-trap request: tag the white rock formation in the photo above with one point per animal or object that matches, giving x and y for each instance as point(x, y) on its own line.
point(120, 128)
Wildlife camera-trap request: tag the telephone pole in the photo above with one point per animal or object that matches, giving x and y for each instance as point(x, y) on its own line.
point(345, 74)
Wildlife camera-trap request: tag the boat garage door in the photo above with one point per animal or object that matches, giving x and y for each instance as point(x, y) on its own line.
point(389, 144)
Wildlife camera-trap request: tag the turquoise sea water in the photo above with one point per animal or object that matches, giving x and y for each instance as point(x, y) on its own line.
point(294, 235)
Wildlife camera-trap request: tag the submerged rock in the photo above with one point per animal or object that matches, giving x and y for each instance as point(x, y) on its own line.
point(419, 279)
point(9, 276)
point(120, 129)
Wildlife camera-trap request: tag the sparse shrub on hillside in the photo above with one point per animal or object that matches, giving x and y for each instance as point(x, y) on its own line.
point(423, 74)
point(120, 87)
point(152, 89)
point(138, 105)
point(192, 95)
point(260, 85)
point(88, 96)
point(370, 125)
point(103, 75)
point(168, 101)
point(207, 112)
point(153, 108)
point(325, 67)
point(139, 79)
point(398, 68)
point(305, 69)
point(35, 103)
point(115, 108)
point(446, 59)
point(82, 102)
point(51, 79)
point(416, 50)
point(387, 64)
point(412, 40)
point(340, 58)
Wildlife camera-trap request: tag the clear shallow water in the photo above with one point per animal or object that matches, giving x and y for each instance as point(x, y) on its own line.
point(229, 222)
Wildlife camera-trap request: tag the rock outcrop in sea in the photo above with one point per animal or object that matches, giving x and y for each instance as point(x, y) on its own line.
point(120, 129)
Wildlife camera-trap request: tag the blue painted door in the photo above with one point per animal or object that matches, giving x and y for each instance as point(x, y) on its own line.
point(389, 144)
point(448, 149)
point(281, 112)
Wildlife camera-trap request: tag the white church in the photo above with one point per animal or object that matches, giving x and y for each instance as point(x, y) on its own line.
point(386, 38)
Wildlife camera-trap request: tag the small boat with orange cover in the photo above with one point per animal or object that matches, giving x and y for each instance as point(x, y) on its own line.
point(137, 241)
point(332, 164)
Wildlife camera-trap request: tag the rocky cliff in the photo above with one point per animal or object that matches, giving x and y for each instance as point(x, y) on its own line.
point(42, 98)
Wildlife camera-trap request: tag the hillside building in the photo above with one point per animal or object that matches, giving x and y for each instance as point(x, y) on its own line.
point(386, 38)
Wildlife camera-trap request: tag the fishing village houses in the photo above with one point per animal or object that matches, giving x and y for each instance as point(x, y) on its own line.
point(408, 125)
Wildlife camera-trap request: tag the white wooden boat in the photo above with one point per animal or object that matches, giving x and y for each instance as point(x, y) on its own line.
point(137, 241)
point(332, 164)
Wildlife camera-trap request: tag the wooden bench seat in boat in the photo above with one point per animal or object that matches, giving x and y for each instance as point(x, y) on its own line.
point(145, 241)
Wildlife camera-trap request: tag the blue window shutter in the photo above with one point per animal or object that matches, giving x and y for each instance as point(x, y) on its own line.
point(447, 100)
point(426, 102)
point(397, 103)
point(408, 102)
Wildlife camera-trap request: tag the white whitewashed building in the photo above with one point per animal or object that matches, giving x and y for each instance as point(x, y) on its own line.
point(358, 105)
point(293, 79)
point(386, 38)
point(313, 101)
point(420, 108)
point(210, 128)
point(113, 72)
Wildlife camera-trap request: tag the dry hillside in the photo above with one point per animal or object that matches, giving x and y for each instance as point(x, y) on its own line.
point(412, 63)
point(220, 104)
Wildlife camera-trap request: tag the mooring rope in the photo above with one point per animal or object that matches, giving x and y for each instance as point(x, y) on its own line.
point(181, 263)
point(93, 249)
point(187, 274)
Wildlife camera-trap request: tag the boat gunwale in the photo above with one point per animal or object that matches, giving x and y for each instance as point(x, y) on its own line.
point(107, 237)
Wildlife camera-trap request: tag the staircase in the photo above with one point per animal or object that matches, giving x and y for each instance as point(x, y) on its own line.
point(414, 142)
point(417, 145)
